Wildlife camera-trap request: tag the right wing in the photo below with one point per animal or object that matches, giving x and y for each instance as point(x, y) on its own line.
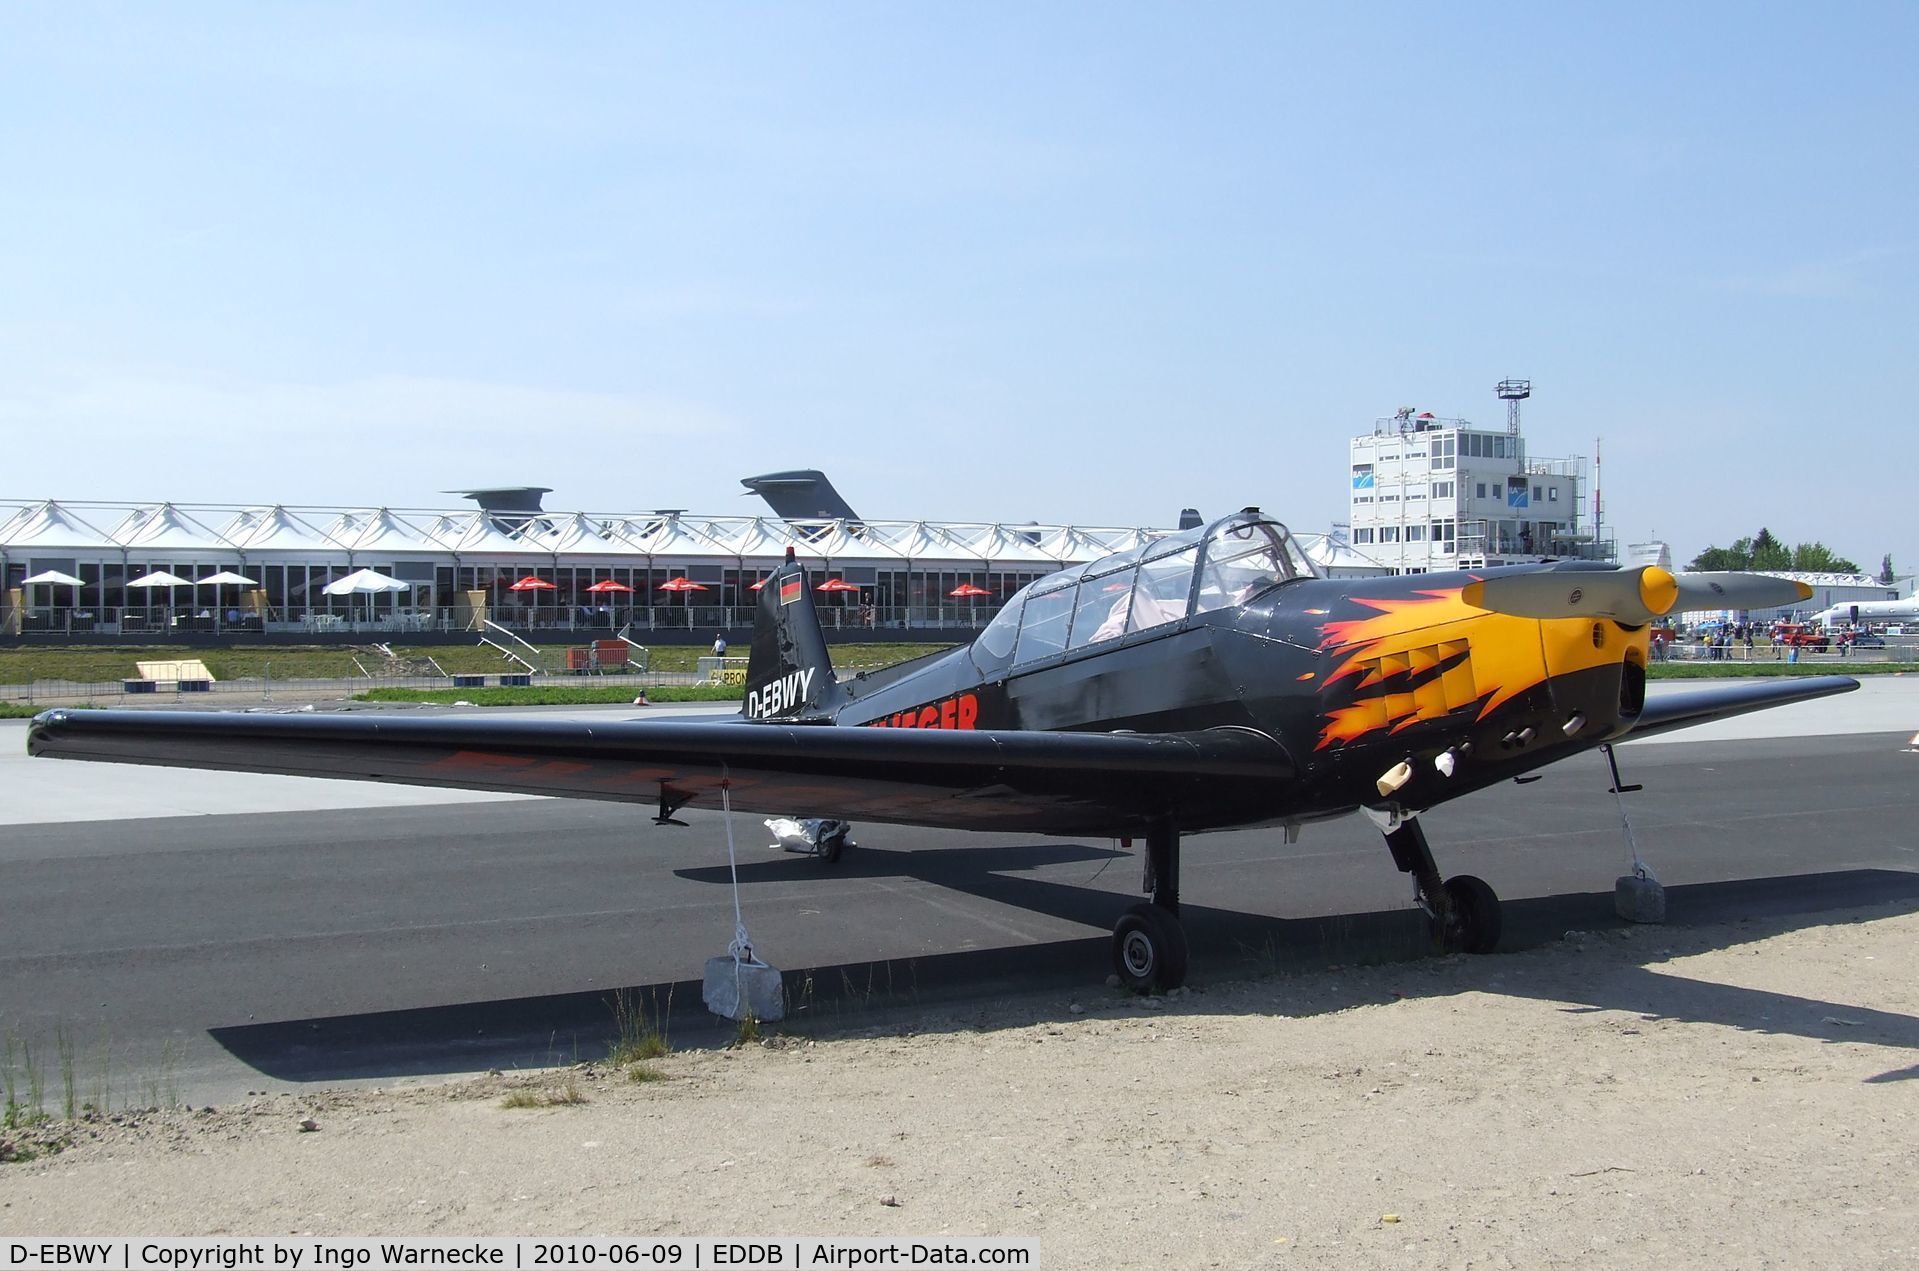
point(1055, 783)
point(1723, 701)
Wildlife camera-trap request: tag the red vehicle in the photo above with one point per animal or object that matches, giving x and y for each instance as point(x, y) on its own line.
point(1801, 636)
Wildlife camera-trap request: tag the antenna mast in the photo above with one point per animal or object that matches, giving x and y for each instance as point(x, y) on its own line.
point(1513, 392)
point(1598, 505)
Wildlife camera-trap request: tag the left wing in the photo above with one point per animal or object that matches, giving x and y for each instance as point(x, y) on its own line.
point(1056, 783)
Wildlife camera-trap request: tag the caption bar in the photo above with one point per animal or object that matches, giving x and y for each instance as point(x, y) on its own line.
point(233, 1253)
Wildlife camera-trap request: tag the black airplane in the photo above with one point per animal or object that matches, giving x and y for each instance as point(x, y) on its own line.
point(1206, 680)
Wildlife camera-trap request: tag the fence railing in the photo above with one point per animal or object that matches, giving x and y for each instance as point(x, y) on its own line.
point(68, 692)
point(1895, 649)
point(159, 623)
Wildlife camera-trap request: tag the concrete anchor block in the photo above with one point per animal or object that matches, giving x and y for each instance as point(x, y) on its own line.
point(735, 989)
point(1639, 899)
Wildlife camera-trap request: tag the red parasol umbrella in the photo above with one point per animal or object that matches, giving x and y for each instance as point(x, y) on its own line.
point(606, 585)
point(966, 591)
point(681, 583)
point(837, 584)
point(530, 583)
point(761, 583)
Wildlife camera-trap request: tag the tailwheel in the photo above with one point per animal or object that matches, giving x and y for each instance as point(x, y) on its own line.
point(835, 838)
point(1471, 920)
point(1149, 949)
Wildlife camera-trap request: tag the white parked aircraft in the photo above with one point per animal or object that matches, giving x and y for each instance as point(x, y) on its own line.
point(1861, 611)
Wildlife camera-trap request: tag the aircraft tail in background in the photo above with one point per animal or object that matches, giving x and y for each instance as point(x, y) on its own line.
point(803, 494)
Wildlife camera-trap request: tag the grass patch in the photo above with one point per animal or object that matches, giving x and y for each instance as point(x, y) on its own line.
point(748, 1031)
point(641, 1036)
point(80, 1082)
point(568, 1095)
point(14, 710)
point(104, 663)
point(873, 657)
point(644, 1072)
point(564, 696)
point(1749, 670)
point(18, 1149)
point(99, 663)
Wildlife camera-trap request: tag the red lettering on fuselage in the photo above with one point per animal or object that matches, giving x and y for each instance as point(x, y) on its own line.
point(952, 712)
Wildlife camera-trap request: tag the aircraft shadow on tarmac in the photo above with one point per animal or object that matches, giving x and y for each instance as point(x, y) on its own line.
point(1227, 944)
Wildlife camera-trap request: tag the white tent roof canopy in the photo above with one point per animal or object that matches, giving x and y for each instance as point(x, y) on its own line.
point(251, 536)
point(49, 526)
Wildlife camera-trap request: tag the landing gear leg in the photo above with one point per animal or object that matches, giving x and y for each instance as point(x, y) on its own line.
point(1149, 945)
point(1463, 910)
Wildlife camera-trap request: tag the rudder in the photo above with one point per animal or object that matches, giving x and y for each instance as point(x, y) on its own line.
point(788, 673)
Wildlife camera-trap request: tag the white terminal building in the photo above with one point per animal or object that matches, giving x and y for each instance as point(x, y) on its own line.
point(1434, 494)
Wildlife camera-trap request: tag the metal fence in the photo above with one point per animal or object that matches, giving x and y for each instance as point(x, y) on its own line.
point(1902, 649)
point(146, 623)
point(297, 691)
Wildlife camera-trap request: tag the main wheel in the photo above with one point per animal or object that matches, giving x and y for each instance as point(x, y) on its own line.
point(1475, 921)
point(1149, 949)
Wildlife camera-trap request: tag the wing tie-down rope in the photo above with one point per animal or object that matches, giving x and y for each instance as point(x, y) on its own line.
point(1619, 788)
point(737, 984)
point(742, 946)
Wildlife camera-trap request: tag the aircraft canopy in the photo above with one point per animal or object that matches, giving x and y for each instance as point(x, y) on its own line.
point(1150, 585)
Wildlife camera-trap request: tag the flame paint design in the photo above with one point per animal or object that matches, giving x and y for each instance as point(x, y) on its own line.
point(1429, 656)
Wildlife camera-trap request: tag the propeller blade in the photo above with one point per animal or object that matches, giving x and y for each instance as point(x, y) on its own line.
point(1631, 596)
point(1737, 591)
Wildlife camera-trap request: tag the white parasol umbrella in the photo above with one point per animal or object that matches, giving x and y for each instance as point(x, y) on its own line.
point(161, 578)
point(54, 578)
point(225, 578)
point(370, 582)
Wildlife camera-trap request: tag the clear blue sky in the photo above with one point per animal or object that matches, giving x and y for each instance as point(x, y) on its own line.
point(1058, 262)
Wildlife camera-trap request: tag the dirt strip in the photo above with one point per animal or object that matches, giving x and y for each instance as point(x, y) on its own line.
point(1736, 1096)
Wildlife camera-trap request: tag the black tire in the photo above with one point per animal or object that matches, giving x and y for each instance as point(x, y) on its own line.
point(1475, 922)
point(834, 844)
point(1149, 950)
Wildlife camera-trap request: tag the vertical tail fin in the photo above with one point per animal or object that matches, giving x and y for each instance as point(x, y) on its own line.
point(788, 674)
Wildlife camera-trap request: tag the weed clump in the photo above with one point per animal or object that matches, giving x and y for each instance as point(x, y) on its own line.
point(640, 1035)
point(566, 1096)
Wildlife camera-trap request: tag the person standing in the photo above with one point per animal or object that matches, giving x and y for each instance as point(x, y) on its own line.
point(719, 645)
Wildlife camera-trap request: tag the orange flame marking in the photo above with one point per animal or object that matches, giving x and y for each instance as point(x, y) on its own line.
point(1505, 660)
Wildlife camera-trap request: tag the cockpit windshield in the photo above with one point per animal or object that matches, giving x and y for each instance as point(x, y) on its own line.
point(1245, 554)
point(1153, 585)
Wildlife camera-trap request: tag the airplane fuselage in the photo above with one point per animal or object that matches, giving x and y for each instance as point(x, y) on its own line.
point(1374, 671)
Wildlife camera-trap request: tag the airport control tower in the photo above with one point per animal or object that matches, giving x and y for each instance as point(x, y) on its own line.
point(1430, 493)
